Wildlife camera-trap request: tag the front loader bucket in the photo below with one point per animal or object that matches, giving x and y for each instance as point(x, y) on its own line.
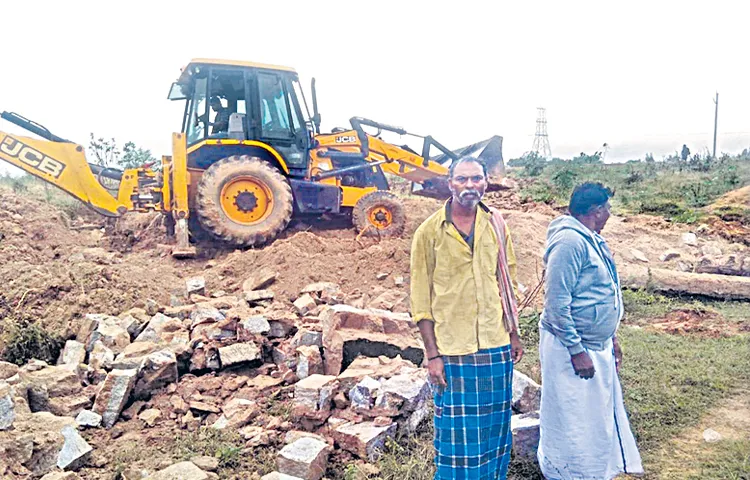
point(489, 152)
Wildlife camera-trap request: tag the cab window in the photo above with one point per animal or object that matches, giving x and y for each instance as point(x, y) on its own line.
point(227, 97)
point(275, 109)
point(195, 128)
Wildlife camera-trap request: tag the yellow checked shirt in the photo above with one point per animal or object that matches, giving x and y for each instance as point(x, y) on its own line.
point(456, 287)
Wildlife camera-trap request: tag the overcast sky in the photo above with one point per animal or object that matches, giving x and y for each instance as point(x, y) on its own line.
point(640, 76)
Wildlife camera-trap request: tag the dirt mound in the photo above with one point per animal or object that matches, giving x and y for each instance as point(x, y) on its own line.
point(305, 258)
point(690, 321)
point(57, 269)
point(729, 216)
point(337, 255)
point(32, 227)
point(510, 200)
point(139, 232)
point(736, 198)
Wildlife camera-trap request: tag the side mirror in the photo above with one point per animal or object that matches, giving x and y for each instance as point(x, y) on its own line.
point(316, 114)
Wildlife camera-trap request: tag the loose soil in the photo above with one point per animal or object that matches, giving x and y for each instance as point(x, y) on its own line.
point(57, 269)
point(689, 321)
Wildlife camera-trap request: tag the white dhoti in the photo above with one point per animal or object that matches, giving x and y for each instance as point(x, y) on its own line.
point(584, 431)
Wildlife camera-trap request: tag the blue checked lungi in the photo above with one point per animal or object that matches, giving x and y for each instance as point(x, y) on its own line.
point(472, 416)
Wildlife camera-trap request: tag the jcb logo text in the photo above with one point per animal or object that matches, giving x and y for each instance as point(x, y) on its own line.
point(31, 157)
point(346, 139)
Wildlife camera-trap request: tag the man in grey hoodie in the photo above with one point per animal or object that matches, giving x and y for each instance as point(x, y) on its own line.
point(584, 429)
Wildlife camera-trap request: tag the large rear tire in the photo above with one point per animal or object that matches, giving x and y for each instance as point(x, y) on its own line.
point(244, 201)
point(379, 214)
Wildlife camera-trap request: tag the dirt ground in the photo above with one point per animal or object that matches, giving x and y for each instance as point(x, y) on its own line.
point(704, 323)
point(57, 270)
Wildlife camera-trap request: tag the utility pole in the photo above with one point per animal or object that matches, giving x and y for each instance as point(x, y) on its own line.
point(716, 121)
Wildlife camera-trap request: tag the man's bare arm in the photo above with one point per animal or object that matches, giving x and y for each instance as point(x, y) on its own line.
point(435, 366)
point(427, 329)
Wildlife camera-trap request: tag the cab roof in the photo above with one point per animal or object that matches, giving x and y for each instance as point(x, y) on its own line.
point(187, 69)
point(237, 63)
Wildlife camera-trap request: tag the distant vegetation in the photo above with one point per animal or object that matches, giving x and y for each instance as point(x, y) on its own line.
point(108, 154)
point(31, 186)
point(676, 187)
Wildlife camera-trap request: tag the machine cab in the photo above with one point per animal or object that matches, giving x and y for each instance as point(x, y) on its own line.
point(235, 105)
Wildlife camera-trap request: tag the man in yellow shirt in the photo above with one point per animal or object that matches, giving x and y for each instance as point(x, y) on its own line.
point(463, 282)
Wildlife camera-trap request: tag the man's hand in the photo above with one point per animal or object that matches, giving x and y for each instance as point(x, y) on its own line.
point(516, 347)
point(618, 353)
point(436, 369)
point(583, 366)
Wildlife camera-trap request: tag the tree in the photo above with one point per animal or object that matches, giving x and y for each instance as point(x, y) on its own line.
point(108, 154)
point(650, 164)
point(533, 164)
point(135, 157)
point(564, 179)
point(105, 151)
point(586, 159)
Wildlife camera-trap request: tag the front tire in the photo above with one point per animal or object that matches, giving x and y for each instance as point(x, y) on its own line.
point(379, 214)
point(244, 201)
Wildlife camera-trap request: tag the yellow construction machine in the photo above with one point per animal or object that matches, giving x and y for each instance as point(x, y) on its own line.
point(249, 157)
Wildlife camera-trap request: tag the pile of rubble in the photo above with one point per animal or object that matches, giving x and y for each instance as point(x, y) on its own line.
point(352, 377)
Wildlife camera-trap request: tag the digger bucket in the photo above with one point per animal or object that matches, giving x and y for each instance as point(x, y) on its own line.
point(489, 152)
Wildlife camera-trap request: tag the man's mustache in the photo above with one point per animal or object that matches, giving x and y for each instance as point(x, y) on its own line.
point(469, 192)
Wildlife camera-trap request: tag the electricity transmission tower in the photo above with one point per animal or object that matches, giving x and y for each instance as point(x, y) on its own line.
point(541, 140)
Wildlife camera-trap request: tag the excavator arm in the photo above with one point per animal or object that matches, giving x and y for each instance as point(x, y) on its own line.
point(59, 162)
point(63, 164)
point(428, 174)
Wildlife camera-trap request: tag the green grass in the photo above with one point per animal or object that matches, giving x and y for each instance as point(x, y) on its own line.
point(728, 460)
point(125, 457)
point(670, 382)
point(529, 326)
point(409, 458)
point(733, 213)
point(229, 447)
point(640, 305)
point(676, 192)
point(22, 339)
point(277, 407)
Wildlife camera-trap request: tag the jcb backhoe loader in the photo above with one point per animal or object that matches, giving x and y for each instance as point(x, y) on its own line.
point(261, 160)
